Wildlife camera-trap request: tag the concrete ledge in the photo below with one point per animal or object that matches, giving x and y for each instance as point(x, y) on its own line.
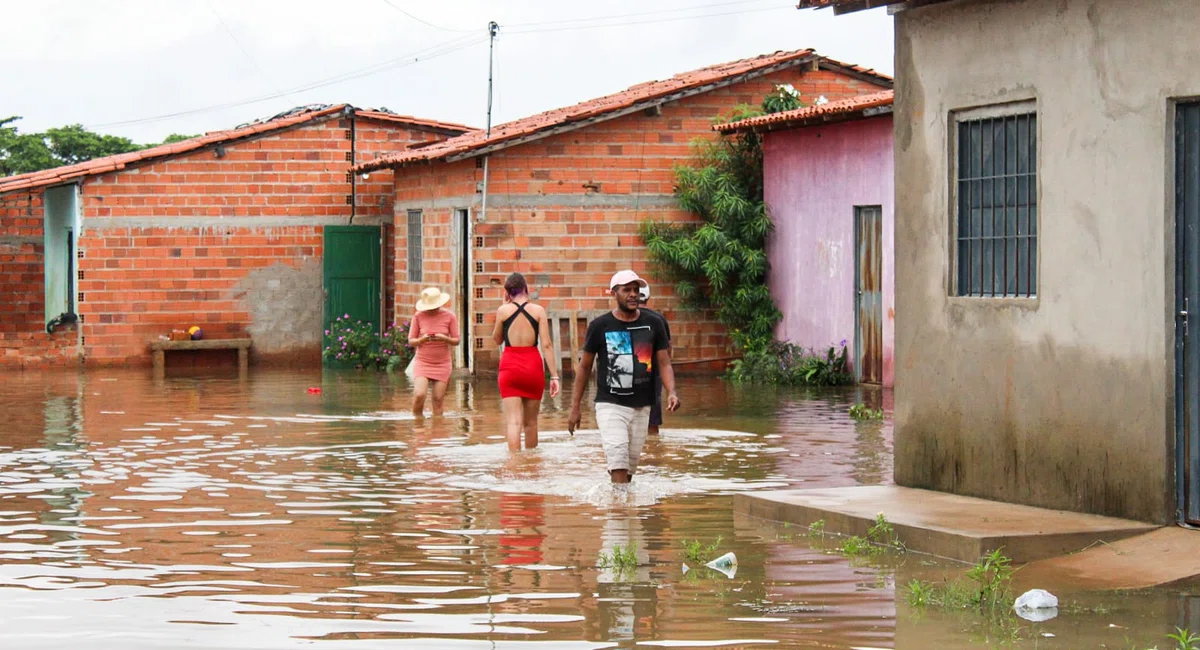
point(1164, 557)
point(942, 524)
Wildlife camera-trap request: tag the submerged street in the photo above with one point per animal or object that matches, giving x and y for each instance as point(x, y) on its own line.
point(218, 513)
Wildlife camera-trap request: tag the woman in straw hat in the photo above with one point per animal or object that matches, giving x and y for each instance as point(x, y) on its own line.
point(433, 333)
point(525, 332)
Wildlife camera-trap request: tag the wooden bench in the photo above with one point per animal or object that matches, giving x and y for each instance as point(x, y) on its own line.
point(161, 348)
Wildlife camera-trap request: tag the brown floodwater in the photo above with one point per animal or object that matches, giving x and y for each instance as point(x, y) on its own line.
point(212, 512)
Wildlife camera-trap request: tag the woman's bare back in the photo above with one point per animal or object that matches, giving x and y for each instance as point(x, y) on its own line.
point(522, 333)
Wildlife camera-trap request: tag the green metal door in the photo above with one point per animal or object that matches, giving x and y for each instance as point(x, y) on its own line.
point(353, 274)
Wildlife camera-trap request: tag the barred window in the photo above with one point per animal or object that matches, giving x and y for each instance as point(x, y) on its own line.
point(996, 192)
point(416, 247)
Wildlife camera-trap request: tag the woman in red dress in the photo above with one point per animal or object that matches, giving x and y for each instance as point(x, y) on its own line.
point(522, 326)
point(434, 333)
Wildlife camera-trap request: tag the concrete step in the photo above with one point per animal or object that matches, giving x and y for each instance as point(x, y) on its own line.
point(942, 524)
point(1162, 557)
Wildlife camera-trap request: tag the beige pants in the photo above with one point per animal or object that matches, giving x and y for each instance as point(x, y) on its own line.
point(622, 432)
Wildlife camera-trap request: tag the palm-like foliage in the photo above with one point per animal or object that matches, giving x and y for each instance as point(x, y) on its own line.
point(721, 262)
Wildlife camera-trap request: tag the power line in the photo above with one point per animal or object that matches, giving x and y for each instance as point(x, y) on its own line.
point(464, 42)
point(648, 22)
point(426, 22)
point(245, 53)
point(399, 62)
point(636, 14)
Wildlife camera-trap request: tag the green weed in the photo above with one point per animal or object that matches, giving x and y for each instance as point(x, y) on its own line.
point(987, 588)
point(697, 553)
point(622, 558)
point(1184, 639)
point(863, 412)
point(816, 529)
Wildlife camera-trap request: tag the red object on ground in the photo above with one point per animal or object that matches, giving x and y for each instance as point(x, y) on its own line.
point(314, 391)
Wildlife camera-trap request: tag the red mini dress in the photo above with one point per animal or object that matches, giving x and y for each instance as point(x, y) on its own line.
point(521, 373)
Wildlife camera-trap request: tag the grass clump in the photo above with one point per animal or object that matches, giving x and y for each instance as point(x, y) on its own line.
point(863, 412)
point(880, 539)
point(1184, 639)
point(622, 558)
point(696, 552)
point(987, 588)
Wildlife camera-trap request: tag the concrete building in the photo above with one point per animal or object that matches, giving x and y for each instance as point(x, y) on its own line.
point(1048, 215)
point(228, 231)
point(827, 182)
point(566, 192)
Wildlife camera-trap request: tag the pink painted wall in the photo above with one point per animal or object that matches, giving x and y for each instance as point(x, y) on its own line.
point(813, 179)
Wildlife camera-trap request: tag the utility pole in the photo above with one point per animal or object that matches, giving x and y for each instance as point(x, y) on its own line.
point(493, 28)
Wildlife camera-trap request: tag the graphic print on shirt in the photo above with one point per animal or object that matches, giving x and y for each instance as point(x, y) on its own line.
point(630, 355)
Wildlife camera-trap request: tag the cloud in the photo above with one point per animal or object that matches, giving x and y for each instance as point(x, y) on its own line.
point(105, 61)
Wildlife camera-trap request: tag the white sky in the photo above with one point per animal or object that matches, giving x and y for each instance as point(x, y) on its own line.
point(110, 64)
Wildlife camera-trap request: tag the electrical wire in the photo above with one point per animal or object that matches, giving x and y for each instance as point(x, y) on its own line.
point(245, 53)
point(648, 22)
point(460, 43)
point(426, 22)
point(639, 13)
point(418, 56)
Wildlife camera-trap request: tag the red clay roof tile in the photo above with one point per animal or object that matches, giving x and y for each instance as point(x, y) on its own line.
point(850, 6)
point(543, 124)
point(65, 173)
point(849, 108)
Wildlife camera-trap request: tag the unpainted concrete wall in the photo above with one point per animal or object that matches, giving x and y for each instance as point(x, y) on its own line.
point(813, 179)
point(1065, 400)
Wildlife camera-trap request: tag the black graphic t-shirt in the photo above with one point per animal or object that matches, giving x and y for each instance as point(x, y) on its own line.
point(625, 358)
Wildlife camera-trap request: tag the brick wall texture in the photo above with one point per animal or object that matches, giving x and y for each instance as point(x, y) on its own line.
point(565, 211)
point(229, 240)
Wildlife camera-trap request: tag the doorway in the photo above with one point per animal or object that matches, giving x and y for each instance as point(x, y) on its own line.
point(868, 294)
point(462, 280)
point(352, 271)
point(1187, 293)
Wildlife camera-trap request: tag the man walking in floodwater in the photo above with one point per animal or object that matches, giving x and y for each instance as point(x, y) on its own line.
point(632, 347)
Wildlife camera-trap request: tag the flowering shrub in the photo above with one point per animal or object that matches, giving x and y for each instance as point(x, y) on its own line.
point(792, 365)
point(355, 342)
point(394, 350)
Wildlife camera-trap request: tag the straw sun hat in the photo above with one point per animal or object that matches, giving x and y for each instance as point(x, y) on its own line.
point(432, 298)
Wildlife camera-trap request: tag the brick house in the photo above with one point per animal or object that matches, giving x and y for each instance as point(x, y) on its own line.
point(566, 191)
point(827, 183)
point(227, 231)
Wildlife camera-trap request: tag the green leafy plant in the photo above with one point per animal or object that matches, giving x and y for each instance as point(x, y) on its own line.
point(1184, 639)
point(356, 343)
point(394, 350)
point(864, 412)
point(816, 528)
point(721, 262)
point(698, 553)
point(919, 593)
point(622, 558)
point(986, 589)
point(786, 364)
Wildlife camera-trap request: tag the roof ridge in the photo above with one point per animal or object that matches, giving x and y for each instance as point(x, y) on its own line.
point(280, 121)
point(842, 107)
point(646, 91)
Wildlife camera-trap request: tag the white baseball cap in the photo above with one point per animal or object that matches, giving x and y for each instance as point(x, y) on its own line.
point(623, 278)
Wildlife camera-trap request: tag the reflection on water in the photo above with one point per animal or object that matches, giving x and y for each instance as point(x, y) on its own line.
point(217, 513)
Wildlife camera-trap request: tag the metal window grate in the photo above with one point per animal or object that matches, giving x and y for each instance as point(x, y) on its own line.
point(997, 206)
point(416, 247)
